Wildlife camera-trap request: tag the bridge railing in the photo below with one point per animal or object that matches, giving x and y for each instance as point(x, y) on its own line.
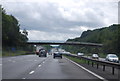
point(66, 43)
point(98, 62)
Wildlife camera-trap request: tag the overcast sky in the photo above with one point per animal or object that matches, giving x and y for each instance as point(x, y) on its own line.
point(61, 19)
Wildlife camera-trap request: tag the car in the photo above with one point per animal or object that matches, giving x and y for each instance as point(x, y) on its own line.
point(42, 53)
point(112, 58)
point(95, 56)
point(80, 54)
point(57, 54)
point(65, 53)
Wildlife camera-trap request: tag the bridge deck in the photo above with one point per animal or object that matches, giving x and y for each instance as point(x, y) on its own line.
point(66, 43)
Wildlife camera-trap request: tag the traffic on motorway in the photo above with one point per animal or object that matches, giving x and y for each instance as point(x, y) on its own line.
point(40, 51)
point(49, 65)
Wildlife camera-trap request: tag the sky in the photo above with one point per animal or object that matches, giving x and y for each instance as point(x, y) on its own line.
point(61, 19)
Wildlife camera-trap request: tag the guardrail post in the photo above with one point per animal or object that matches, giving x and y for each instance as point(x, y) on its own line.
point(97, 66)
point(80, 58)
point(88, 62)
point(85, 60)
point(113, 69)
point(118, 73)
point(103, 67)
point(92, 64)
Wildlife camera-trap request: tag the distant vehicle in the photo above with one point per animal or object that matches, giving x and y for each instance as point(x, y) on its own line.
point(57, 54)
point(42, 52)
point(80, 54)
point(112, 58)
point(65, 52)
point(95, 56)
point(50, 53)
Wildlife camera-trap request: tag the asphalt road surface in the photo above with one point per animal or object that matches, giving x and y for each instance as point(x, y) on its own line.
point(34, 67)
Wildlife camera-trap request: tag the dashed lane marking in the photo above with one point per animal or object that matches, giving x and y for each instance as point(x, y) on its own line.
point(31, 72)
point(39, 65)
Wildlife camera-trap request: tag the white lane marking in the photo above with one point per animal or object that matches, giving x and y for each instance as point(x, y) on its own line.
point(0, 64)
point(87, 70)
point(23, 78)
point(31, 72)
point(43, 62)
point(39, 65)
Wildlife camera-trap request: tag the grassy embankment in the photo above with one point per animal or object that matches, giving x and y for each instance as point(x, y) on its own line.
point(78, 60)
point(16, 53)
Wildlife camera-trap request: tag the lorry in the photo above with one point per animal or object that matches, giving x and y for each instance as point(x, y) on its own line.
point(37, 49)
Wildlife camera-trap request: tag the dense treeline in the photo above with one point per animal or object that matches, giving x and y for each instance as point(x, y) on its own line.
point(108, 36)
point(11, 35)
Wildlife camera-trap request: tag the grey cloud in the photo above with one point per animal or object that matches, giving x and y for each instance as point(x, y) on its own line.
point(47, 17)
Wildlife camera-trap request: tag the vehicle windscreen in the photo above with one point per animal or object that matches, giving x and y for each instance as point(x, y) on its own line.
point(113, 56)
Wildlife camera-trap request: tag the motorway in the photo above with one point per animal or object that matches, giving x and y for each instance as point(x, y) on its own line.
point(34, 67)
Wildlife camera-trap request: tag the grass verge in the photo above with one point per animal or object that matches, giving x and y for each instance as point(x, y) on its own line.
point(78, 60)
point(16, 53)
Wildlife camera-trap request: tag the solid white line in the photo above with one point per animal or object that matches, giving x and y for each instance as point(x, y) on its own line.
point(39, 65)
point(87, 70)
point(31, 72)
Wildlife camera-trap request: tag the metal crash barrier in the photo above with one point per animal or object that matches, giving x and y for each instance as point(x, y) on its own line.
point(98, 62)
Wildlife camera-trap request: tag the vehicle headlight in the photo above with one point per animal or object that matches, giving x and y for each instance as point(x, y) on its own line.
point(110, 59)
point(117, 59)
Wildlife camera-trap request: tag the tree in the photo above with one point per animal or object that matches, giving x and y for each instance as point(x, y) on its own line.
point(108, 36)
point(11, 35)
point(25, 32)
